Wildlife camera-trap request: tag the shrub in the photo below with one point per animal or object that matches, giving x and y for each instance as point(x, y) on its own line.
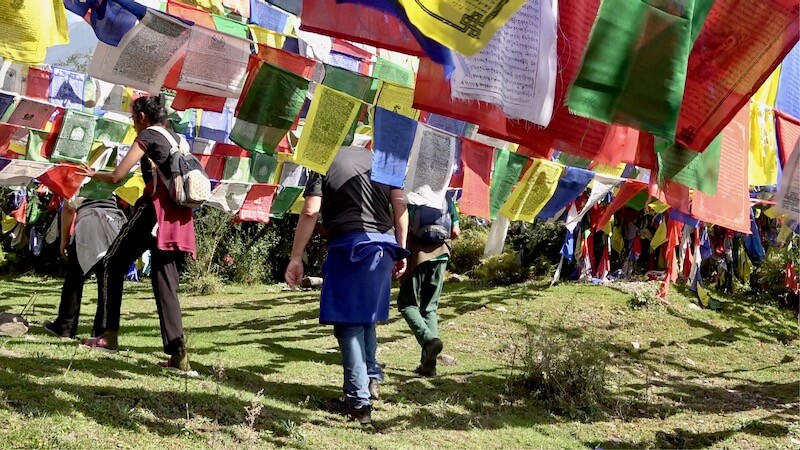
point(771, 274)
point(502, 269)
point(203, 284)
point(538, 244)
point(567, 373)
point(468, 250)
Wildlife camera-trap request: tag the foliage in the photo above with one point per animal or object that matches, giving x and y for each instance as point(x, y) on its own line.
point(468, 250)
point(502, 270)
point(567, 373)
point(76, 62)
point(535, 241)
point(770, 276)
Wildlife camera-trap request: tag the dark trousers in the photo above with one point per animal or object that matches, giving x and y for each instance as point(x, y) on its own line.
point(71, 295)
point(418, 300)
point(134, 238)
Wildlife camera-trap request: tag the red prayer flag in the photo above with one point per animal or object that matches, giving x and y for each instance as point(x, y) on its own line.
point(791, 278)
point(730, 207)
point(292, 62)
point(620, 145)
point(670, 193)
point(7, 132)
point(788, 129)
point(38, 83)
point(257, 203)
point(199, 16)
point(190, 99)
point(213, 164)
point(645, 152)
point(476, 161)
point(234, 150)
point(63, 179)
point(628, 190)
point(20, 214)
point(740, 45)
point(358, 23)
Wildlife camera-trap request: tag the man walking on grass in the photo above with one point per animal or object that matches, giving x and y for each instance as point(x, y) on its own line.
point(429, 241)
point(365, 223)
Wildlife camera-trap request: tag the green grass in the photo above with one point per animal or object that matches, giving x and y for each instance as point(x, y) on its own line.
point(726, 379)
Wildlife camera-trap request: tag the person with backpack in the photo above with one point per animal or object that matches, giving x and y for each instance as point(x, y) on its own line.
point(88, 227)
point(430, 234)
point(365, 223)
point(160, 222)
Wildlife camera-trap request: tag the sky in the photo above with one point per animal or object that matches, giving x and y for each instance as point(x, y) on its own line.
point(81, 39)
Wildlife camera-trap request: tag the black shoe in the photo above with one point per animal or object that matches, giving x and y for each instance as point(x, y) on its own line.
point(363, 414)
point(51, 328)
point(429, 353)
point(373, 388)
point(425, 373)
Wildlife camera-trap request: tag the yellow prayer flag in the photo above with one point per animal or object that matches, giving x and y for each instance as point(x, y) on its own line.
point(297, 207)
point(397, 98)
point(614, 171)
point(784, 233)
point(660, 236)
point(329, 119)
point(7, 223)
point(658, 206)
point(533, 191)
point(466, 27)
point(30, 27)
point(130, 136)
point(608, 227)
point(212, 6)
point(617, 241)
point(267, 37)
point(702, 294)
point(132, 189)
point(763, 155)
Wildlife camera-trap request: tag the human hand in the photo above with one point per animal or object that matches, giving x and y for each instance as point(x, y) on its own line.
point(400, 267)
point(455, 232)
point(87, 171)
point(64, 248)
point(294, 272)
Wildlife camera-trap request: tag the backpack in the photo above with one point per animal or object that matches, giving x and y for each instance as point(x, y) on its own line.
point(189, 185)
point(431, 225)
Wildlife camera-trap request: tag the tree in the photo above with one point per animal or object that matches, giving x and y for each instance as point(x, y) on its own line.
point(76, 62)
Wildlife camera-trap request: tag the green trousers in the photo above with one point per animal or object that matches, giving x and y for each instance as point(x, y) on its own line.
point(419, 299)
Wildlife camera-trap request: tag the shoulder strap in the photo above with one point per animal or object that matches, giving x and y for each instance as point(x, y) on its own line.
point(163, 131)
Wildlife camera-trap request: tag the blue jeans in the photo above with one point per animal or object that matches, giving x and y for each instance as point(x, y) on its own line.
point(358, 344)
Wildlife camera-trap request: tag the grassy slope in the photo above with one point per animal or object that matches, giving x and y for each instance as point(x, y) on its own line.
point(722, 379)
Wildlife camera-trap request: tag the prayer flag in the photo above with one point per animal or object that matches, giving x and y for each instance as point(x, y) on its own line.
point(699, 171)
point(571, 185)
point(477, 166)
point(291, 6)
point(63, 179)
point(265, 15)
point(216, 126)
point(397, 99)
point(237, 169)
point(146, 54)
point(215, 63)
point(388, 71)
point(7, 132)
point(455, 126)
point(788, 99)
point(110, 130)
point(629, 189)
point(30, 27)
point(75, 139)
point(240, 7)
point(208, 103)
point(231, 27)
point(351, 83)
point(269, 108)
point(257, 203)
point(287, 60)
point(6, 105)
point(507, 169)
point(212, 6)
point(788, 129)
point(34, 150)
point(788, 196)
point(66, 89)
point(214, 165)
point(731, 52)
point(523, 82)
point(262, 167)
point(110, 19)
point(394, 137)
point(228, 196)
point(328, 122)
point(345, 61)
point(38, 84)
point(31, 113)
point(763, 154)
point(620, 146)
point(132, 188)
point(634, 66)
point(199, 16)
point(267, 38)
point(98, 190)
point(20, 173)
point(533, 191)
point(430, 166)
point(287, 196)
point(730, 206)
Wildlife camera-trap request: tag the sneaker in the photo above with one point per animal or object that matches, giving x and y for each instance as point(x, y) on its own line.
point(106, 342)
point(430, 352)
point(51, 328)
point(179, 362)
point(373, 388)
point(362, 414)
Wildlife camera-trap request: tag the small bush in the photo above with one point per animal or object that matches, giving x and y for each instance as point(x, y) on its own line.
point(468, 250)
point(770, 276)
point(567, 373)
point(538, 243)
point(502, 269)
point(203, 284)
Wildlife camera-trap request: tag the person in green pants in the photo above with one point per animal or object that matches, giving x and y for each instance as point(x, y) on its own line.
point(418, 300)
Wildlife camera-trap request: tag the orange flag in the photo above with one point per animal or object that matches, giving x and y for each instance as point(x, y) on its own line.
point(477, 161)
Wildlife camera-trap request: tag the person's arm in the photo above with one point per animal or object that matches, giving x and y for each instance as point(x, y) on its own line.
point(67, 218)
point(400, 211)
point(455, 229)
point(303, 233)
point(134, 155)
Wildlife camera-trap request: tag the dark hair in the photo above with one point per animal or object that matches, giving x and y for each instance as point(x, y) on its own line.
point(153, 107)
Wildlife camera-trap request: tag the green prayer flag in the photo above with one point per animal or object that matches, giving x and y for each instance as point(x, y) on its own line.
point(573, 161)
point(269, 108)
point(395, 73)
point(262, 167)
point(75, 139)
point(639, 201)
point(634, 67)
point(232, 27)
point(110, 130)
point(236, 169)
point(33, 150)
point(353, 84)
point(98, 190)
point(696, 170)
point(507, 168)
point(284, 201)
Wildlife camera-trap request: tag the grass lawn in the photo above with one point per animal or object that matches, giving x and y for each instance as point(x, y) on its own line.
point(700, 378)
